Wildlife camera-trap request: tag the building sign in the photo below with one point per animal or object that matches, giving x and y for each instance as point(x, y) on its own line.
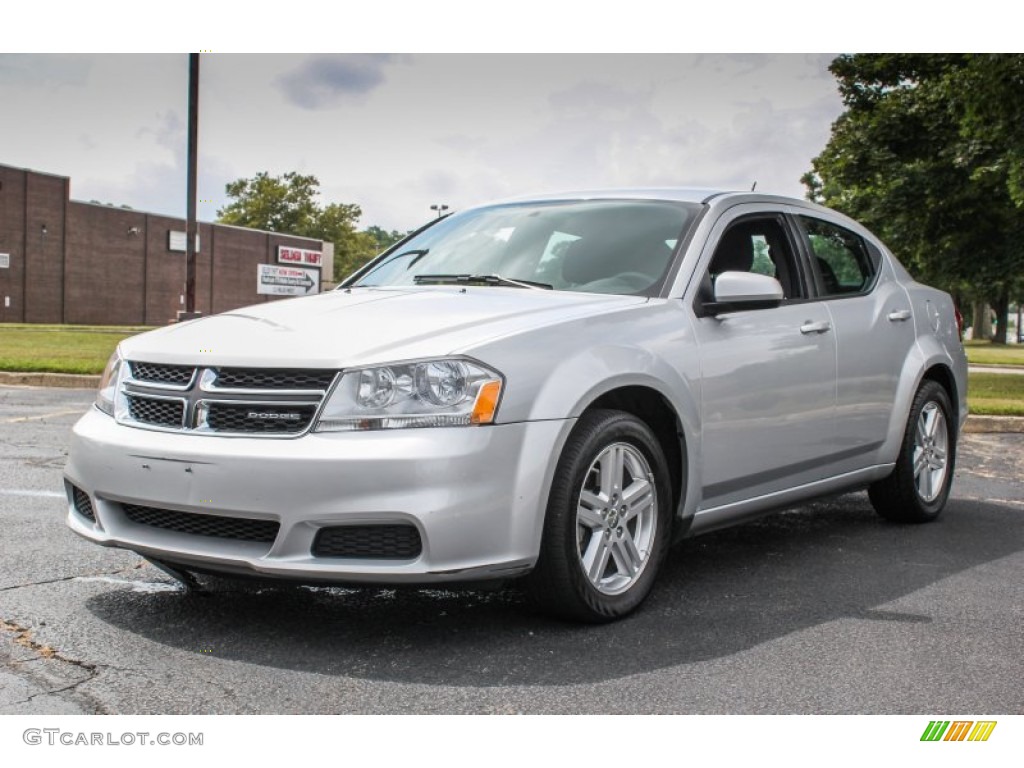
point(286, 281)
point(288, 255)
point(176, 241)
point(5, 261)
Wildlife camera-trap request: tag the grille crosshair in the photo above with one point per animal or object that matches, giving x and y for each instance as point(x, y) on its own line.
point(261, 402)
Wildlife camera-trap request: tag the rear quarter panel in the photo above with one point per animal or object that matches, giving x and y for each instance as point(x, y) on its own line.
point(938, 344)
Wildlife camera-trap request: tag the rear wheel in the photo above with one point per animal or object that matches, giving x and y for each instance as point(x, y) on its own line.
point(607, 522)
point(917, 490)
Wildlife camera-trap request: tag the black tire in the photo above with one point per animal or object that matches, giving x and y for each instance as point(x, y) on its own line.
point(899, 497)
point(559, 584)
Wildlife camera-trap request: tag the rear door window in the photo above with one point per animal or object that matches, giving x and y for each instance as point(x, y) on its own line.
point(841, 259)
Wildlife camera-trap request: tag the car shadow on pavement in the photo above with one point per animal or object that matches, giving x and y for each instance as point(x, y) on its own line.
point(718, 594)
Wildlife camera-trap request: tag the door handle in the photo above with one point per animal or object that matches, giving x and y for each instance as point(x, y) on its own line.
point(810, 327)
point(899, 315)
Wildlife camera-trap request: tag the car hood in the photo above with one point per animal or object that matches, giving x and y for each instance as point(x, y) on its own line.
point(365, 326)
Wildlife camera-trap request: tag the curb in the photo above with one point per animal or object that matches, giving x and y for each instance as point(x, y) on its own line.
point(979, 424)
point(1005, 370)
point(63, 380)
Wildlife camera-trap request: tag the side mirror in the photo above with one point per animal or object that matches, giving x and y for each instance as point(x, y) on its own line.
point(735, 291)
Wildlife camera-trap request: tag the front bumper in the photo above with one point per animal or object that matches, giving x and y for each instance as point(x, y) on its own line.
point(476, 495)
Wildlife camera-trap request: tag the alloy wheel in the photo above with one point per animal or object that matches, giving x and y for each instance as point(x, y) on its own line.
point(616, 518)
point(931, 446)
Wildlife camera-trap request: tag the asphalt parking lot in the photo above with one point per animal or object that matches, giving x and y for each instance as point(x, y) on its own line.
point(821, 609)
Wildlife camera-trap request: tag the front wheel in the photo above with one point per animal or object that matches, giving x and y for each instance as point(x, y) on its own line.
point(917, 489)
point(607, 522)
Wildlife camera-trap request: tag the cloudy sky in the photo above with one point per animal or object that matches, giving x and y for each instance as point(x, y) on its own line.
point(397, 133)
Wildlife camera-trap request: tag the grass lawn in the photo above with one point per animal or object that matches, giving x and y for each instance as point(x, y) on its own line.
point(59, 348)
point(996, 394)
point(987, 353)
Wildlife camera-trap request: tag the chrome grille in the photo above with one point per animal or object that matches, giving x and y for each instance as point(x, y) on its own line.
point(380, 542)
point(176, 375)
point(273, 378)
point(256, 402)
point(279, 419)
point(161, 413)
point(215, 526)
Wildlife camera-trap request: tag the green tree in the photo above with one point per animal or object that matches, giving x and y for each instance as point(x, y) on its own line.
point(352, 248)
point(923, 157)
point(289, 204)
point(274, 203)
point(384, 238)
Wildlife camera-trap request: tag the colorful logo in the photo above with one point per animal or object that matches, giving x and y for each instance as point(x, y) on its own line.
point(958, 730)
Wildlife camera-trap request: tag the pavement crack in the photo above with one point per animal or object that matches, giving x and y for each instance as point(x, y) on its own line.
point(118, 572)
point(52, 691)
point(23, 637)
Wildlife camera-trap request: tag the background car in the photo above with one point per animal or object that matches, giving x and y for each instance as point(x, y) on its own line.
point(550, 390)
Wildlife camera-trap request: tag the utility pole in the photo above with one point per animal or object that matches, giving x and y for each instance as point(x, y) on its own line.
point(191, 229)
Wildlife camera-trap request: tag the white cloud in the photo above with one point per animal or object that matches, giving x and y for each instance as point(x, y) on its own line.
point(396, 134)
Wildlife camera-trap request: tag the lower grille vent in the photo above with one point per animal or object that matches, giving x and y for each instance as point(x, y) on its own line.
point(82, 503)
point(216, 526)
point(384, 542)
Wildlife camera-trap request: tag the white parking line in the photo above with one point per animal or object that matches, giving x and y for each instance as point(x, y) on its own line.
point(41, 416)
point(149, 587)
point(42, 494)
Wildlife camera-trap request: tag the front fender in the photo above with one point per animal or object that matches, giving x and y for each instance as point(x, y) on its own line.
point(559, 373)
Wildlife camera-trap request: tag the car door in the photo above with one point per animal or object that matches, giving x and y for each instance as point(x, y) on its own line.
point(873, 328)
point(768, 375)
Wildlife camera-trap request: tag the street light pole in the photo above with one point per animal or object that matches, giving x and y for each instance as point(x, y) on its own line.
point(190, 222)
point(440, 208)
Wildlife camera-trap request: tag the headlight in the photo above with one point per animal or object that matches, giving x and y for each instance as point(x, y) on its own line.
point(108, 384)
point(448, 392)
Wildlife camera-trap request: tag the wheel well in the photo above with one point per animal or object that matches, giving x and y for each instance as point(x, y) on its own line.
point(941, 375)
point(650, 406)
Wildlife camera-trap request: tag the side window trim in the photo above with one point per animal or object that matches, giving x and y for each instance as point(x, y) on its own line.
point(794, 241)
point(803, 278)
point(809, 259)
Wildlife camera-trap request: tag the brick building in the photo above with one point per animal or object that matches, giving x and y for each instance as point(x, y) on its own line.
point(66, 261)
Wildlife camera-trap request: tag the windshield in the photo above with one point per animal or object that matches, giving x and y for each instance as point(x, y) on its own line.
point(598, 246)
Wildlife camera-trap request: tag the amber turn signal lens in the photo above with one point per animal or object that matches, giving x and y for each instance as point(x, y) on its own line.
point(486, 403)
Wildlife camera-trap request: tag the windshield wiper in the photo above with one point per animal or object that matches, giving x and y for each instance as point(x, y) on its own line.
point(419, 253)
point(481, 279)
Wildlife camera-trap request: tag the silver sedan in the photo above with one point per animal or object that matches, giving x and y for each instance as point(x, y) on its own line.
point(548, 390)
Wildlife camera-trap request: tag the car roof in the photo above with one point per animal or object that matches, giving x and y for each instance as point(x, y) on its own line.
point(680, 194)
point(675, 194)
